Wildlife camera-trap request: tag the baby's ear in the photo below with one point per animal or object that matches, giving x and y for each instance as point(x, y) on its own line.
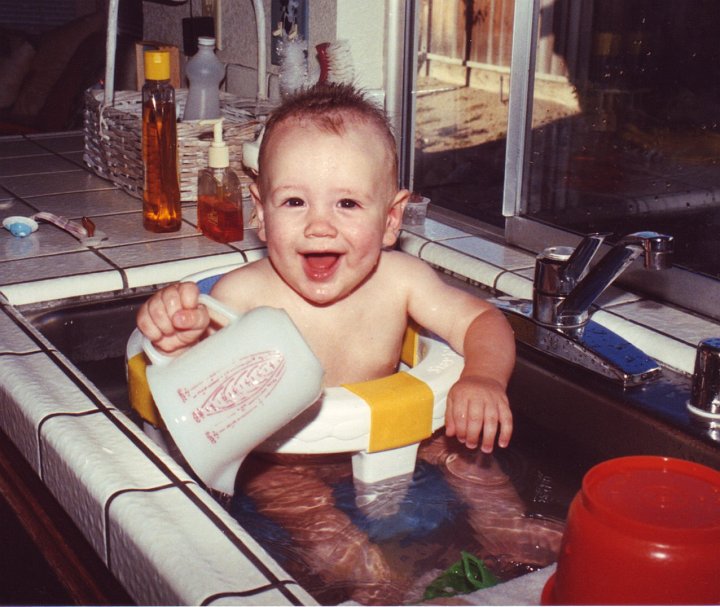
point(394, 217)
point(259, 211)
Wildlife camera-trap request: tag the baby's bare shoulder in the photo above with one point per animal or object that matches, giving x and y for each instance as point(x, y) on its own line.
point(243, 272)
point(396, 260)
point(237, 285)
point(402, 267)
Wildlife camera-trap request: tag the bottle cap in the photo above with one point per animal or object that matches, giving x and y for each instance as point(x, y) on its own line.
point(218, 154)
point(206, 41)
point(157, 65)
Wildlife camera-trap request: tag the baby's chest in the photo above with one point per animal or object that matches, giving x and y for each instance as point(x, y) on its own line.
point(355, 339)
point(357, 353)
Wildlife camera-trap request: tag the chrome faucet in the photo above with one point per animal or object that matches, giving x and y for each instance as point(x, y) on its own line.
point(565, 287)
point(704, 403)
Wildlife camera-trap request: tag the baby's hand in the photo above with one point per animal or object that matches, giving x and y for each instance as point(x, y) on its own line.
point(172, 319)
point(476, 405)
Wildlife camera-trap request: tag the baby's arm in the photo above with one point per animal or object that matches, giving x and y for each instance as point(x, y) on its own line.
point(477, 405)
point(478, 402)
point(172, 319)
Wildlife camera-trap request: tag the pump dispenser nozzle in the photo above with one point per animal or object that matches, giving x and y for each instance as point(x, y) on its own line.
point(218, 154)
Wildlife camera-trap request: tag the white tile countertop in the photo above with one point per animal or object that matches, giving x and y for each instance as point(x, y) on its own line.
point(127, 496)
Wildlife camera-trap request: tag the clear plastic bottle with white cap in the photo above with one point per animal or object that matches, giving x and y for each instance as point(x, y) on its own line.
point(220, 215)
point(205, 72)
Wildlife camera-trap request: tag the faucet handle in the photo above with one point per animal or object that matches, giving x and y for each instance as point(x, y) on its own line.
point(550, 271)
point(704, 403)
point(580, 260)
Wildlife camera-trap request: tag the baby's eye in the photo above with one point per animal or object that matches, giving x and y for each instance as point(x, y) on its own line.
point(347, 203)
point(294, 202)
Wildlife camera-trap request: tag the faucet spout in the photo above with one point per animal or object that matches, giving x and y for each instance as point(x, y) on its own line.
point(656, 250)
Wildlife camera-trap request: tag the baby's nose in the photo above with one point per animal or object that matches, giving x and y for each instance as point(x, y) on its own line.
point(320, 224)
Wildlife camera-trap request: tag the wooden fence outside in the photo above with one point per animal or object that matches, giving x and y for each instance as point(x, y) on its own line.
point(477, 34)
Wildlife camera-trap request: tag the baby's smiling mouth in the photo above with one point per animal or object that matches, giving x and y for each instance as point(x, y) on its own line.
point(320, 265)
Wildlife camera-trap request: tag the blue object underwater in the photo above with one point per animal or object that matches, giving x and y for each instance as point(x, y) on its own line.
point(265, 531)
point(429, 504)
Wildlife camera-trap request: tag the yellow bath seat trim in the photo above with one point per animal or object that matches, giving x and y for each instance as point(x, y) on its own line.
point(139, 391)
point(401, 408)
point(410, 351)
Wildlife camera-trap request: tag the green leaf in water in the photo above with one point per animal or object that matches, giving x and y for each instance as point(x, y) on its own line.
point(467, 575)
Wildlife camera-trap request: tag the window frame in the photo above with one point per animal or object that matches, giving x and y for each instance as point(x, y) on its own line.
point(679, 286)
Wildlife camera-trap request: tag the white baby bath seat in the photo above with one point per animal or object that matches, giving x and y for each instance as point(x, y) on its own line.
point(380, 422)
point(343, 421)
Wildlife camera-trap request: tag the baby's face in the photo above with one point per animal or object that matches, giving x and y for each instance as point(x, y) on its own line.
point(327, 204)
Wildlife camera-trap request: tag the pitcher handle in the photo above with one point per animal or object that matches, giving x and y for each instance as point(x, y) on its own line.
point(209, 302)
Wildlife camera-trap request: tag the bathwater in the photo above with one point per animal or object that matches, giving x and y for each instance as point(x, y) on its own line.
point(388, 542)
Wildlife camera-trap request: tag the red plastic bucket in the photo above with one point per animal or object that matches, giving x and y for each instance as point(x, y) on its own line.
point(642, 530)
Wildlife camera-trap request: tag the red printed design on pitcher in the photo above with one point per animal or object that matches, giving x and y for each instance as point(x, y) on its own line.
point(235, 390)
point(243, 384)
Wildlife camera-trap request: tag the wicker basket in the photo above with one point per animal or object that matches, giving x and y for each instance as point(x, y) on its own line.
point(113, 146)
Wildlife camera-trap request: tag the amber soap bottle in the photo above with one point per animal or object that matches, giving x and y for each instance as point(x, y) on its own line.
point(219, 192)
point(161, 191)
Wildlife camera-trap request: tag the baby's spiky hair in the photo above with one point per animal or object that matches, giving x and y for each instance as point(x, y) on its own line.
point(329, 107)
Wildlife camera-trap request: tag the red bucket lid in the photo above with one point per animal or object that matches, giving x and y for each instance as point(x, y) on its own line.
point(656, 497)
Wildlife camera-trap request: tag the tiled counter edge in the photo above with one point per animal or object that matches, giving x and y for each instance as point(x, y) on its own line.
point(129, 498)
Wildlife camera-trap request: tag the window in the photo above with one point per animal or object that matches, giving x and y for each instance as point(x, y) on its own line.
point(462, 100)
point(611, 125)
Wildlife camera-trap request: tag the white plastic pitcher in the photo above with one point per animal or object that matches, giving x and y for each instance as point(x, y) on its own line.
point(231, 391)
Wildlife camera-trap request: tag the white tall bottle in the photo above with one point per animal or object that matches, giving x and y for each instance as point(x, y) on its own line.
point(205, 73)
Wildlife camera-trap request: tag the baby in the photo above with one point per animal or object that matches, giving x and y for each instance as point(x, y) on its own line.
point(329, 208)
